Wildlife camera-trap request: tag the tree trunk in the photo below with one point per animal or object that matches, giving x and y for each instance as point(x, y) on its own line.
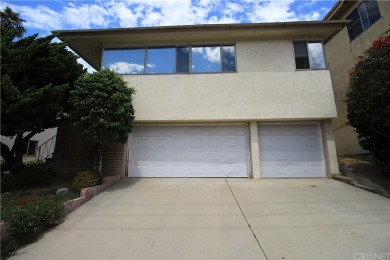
point(18, 151)
point(5, 153)
point(98, 158)
point(15, 155)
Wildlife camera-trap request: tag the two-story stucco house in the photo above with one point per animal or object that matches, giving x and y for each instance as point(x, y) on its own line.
point(230, 100)
point(369, 19)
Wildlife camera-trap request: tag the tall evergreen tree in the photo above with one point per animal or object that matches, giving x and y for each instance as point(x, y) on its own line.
point(37, 75)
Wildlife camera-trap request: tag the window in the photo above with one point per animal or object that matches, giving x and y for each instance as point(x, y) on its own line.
point(228, 58)
point(365, 15)
point(182, 59)
point(31, 147)
point(309, 55)
point(125, 61)
point(206, 59)
point(160, 60)
point(168, 60)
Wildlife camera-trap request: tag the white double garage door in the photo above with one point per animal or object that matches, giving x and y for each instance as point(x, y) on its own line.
point(286, 150)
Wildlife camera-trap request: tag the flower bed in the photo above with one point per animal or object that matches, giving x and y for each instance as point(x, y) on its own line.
point(86, 194)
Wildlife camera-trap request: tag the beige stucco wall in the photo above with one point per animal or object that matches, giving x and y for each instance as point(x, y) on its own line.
point(341, 56)
point(266, 87)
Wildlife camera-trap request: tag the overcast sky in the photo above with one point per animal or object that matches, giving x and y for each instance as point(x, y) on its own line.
point(44, 16)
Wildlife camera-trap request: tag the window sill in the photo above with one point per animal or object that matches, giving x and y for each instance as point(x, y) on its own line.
point(311, 69)
point(176, 74)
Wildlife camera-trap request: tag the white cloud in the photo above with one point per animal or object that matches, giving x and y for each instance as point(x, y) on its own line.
point(40, 17)
point(132, 13)
point(58, 15)
point(213, 54)
point(273, 11)
point(86, 16)
point(126, 68)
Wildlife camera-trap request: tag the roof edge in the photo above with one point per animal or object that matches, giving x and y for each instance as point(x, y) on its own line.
point(209, 26)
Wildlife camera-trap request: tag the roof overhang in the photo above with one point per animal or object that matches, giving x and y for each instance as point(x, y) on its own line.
point(88, 44)
point(339, 10)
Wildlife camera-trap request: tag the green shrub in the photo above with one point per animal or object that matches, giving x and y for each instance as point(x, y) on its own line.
point(8, 183)
point(368, 100)
point(25, 214)
point(86, 179)
point(33, 163)
point(32, 176)
point(28, 176)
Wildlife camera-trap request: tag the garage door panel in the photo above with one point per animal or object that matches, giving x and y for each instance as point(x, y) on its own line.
point(291, 150)
point(160, 143)
point(178, 143)
point(178, 156)
point(142, 131)
point(234, 141)
point(232, 130)
point(215, 156)
point(189, 151)
point(196, 143)
point(233, 156)
point(214, 142)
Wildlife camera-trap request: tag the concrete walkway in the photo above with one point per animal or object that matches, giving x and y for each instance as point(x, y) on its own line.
point(222, 219)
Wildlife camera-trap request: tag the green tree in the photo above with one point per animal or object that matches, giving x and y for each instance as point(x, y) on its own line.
point(37, 75)
point(368, 100)
point(11, 25)
point(102, 109)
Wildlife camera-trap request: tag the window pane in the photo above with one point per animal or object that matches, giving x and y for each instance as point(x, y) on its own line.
point(228, 58)
point(32, 146)
point(302, 63)
point(206, 59)
point(363, 16)
point(182, 59)
point(124, 61)
point(355, 27)
point(316, 55)
point(300, 49)
point(161, 60)
point(372, 11)
point(354, 16)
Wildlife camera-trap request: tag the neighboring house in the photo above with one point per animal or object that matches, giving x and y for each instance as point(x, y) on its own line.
point(39, 147)
point(368, 21)
point(231, 100)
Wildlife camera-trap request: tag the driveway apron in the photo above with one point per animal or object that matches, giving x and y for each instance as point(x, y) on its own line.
point(222, 219)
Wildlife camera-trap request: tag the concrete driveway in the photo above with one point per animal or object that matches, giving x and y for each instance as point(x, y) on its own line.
point(222, 219)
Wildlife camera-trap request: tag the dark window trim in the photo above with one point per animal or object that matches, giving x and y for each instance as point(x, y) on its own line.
point(190, 46)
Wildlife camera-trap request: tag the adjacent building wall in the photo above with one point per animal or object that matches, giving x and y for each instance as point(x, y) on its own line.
point(41, 138)
point(341, 56)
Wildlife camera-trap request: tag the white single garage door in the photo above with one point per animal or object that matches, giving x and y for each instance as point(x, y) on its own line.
point(291, 150)
point(188, 151)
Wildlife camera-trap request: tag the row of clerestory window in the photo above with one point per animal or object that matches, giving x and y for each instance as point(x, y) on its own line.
point(170, 60)
point(309, 55)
